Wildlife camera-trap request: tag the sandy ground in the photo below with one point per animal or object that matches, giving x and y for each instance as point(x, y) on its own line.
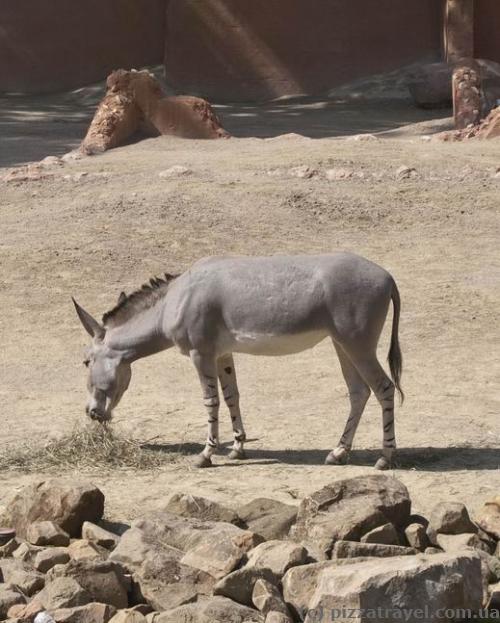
point(120, 223)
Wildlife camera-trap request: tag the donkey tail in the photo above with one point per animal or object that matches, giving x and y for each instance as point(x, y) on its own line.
point(395, 357)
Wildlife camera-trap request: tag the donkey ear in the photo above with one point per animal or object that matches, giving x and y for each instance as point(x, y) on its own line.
point(90, 324)
point(122, 297)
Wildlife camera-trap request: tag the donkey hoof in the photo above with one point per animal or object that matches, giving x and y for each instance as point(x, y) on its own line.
point(339, 456)
point(237, 455)
point(383, 463)
point(202, 461)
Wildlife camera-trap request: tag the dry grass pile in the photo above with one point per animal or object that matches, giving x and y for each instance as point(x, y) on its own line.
point(91, 446)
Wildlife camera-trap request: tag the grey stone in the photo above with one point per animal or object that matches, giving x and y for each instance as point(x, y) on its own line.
point(68, 505)
point(91, 613)
point(279, 556)
point(488, 517)
point(213, 610)
point(449, 518)
point(458, 542)
point(348, 509)
point(46, 533)
point(200, 508)
point(99, 536)
point(82, 549)
point(384, 535)
point(494, 596)
point(19, 574)
point(63, 593)
point(9, 596)
point(269, 518)
point(267, 598)
point(48, 558)
point(239, 584)
point(416, 536)
point(7, 550)
point(353, 549)
point(27, 552)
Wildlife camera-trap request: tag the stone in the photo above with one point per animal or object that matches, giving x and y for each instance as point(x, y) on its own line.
point(348, 509)
point(405, 172)
point(213, 610)
point(488, 517)
point(51, 161)
point(68, 505)
point(27, 552)
point(103, 580)
point(277, 617)
point(433, 550)
point(430, 86)
point(270, 519)
point(384, 535)
point(494, 596)
point(91, 613)
point(46, 533)
point(267, 598)
point(82, 549)
point(128, 616)
point(438, 582)
point(63, 593)
point(239, 584)
point(335, 175)
point(458, 542)
point(175, 171)
point(99, 536)
point(488, 541)
point(416, 536)
point(48, 558)
point(353, 549)
point(303, 172)
point(200, 508)
point(278, 556)
point(7, 550)
point(19, 574)
point(449, 518)
point(10, 596)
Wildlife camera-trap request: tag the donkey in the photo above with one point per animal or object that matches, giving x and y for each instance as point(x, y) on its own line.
point(275, 305)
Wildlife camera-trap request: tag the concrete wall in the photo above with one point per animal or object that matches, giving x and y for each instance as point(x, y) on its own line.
point(50, 45)
point(487, 29)
point(248, 49)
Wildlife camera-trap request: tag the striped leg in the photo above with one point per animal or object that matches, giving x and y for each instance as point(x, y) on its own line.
point(229, 386)
point(383, 388)
point(359, 392)
point(207, 371)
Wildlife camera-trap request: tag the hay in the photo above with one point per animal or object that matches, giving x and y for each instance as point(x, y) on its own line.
point(88, 447)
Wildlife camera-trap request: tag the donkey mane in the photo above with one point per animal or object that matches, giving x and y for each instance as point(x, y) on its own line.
point(143, 298)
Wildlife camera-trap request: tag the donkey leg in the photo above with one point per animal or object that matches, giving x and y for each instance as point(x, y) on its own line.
point(359, 392)
point(207, 372)
point(229, 386)
point(383, 388)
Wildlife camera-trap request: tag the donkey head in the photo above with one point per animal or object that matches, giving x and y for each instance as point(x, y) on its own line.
point(108, 373)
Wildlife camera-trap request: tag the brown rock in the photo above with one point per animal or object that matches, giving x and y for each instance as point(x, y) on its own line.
point(48, 558)
point(278, 556)
point(7, 550)
point(458, 542)
point(128, 616)
point(352, 549)
point(416, 536)
point(27, 552)
point(46, 533)
point(488, 517)
point(277, 617)
point(269, 518)
point(239, 584)
point(91, 613)
point(63, 593)
point(348, 509)
point(68, 505)
point(449, 518)
point(99, 536)
point(82, 549)
point(384, 535)
point(267, 598)
point(10, 596)
point(19, 574)
point(213, 610)
point(200, 508)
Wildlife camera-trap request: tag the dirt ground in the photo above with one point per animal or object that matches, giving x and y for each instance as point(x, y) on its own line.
point(109, 222)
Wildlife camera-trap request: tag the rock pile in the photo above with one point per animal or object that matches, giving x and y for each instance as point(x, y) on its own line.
point(354, 546)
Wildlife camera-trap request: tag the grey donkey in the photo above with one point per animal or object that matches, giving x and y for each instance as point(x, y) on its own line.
point(275, 305)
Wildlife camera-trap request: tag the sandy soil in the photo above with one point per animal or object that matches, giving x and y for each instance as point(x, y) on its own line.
point(110, 229)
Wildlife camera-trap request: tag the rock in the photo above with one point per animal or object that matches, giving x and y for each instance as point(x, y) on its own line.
point(51, 161)
point(19, 574)
point(99, 535)
point(348, 509)
point(303, 172)
point(175, 171)
point(405, 172)
point(267, 598)
point(91, 613)
point(488, 518)
point(335, 175)
point(277, 617)
point(494, 596)
point(128, 616)
point(27, 553)
point(430, 86)
point(47, 558)
point(104, 581)
point(68, 505)
point(239, 584)
point(416, 536)
point(489, 542)
point(26, 612)
point(278, 556)
point(352, 549)
point(384, 535)
point(449, 518)
point(7, 550)
point(200, 508)
point(10, 596)
point(82, 549)
point(46, 533)
point(433, 550)
point(269, 518)
point(63, 593)
point(70, 156)
point(213, 610)
point(491, 566)
point(438, 582)
point(458, 542)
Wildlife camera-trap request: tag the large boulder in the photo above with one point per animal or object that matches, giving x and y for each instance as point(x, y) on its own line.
point(200, 508)
point(449, 518)
point(279, 556)
point(10, 596)
point(68, 505)
point(488, 517)
point(214, 610)
point(437, 582)
point(63, 593)
point(267, 598)
point(239, 584)
point(99, 536)
point(46, 533)
point(91, 613)
point(269, 518)
point(348, 509)
point(50, 557)
point(19, 574)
